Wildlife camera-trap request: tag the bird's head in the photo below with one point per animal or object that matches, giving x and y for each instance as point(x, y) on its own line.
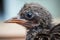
point(32, 15)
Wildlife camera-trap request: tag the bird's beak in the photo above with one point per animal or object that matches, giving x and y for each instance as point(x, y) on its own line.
point(18, 21)
point(15, 20)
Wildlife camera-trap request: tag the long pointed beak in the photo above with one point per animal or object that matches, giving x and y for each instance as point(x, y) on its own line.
point(19, 21)
point(15, 20)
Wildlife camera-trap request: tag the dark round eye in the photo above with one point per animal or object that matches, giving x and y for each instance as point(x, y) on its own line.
point(29, 15)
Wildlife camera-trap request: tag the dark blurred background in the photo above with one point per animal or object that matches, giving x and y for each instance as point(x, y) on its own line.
point(10, 8)
point(1, 9)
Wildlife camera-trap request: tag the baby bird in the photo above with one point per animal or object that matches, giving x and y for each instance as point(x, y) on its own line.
point(32, 15)
point(36, 19)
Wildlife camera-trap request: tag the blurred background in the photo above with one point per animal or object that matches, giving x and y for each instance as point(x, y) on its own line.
point(10, 8)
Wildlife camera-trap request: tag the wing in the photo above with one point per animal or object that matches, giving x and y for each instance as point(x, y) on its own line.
point(55, 32)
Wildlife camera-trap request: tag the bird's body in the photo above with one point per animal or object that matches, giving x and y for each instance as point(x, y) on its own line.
point(37, 20)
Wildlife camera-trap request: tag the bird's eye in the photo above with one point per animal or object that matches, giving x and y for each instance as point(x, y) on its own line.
point(29, 15)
